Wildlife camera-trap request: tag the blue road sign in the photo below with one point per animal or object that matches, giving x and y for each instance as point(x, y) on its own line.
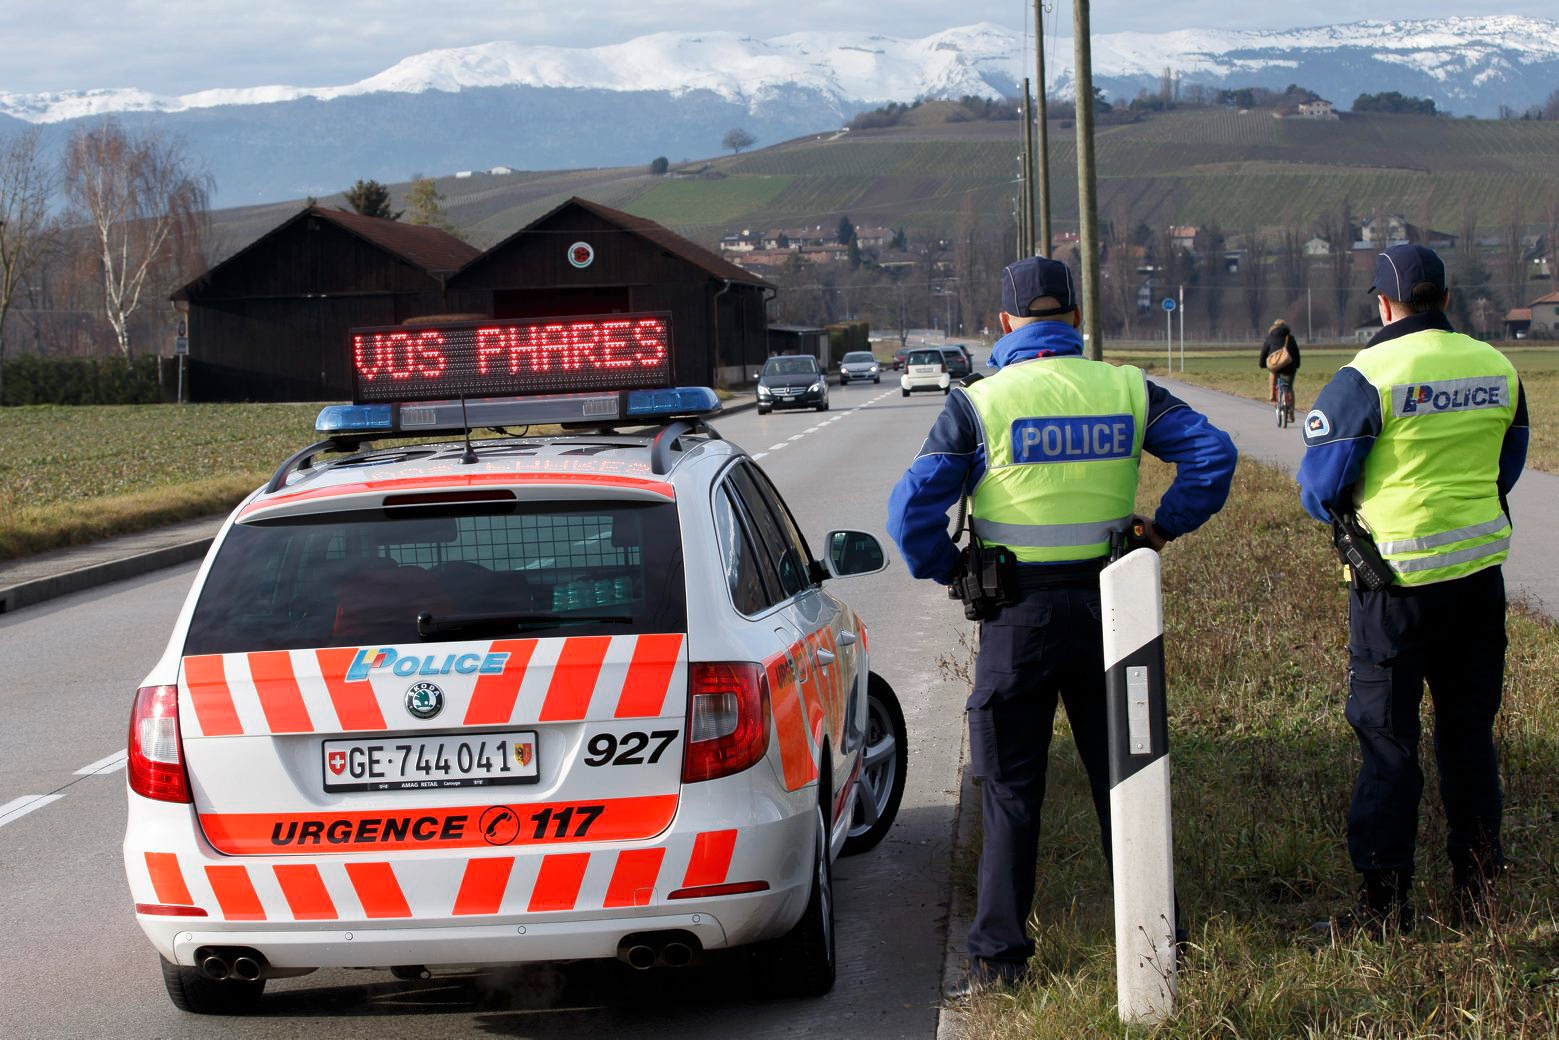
point(1168, 304)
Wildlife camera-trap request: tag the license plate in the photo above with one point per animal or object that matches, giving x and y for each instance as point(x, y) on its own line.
point(434, 760)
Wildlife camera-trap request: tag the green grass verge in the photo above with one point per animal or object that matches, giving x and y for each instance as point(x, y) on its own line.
point(1235, 372)
point(1263, 763)
point(72, 475)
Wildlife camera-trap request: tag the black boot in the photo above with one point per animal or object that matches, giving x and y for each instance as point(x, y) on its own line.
point(1472, 884)
point(1384, 907)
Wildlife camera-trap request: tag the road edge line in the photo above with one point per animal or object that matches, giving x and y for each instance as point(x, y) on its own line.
point(960, 905)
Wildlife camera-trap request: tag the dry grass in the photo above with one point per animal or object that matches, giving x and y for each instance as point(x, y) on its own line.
point(1263, 764)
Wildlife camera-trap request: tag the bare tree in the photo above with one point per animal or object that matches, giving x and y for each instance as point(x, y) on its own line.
point(145, 205)
point(1337, 228)
point(1293, 265)
point(1254, 274)
point(1120, 275)
point(1512, 266)
point(26, 228)
point(736, 139)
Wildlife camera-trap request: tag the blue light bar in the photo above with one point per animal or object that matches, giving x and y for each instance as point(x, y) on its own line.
point(355, 418)
point(639, 406)
point(673, 401)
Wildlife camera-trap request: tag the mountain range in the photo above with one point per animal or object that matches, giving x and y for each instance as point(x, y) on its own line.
point(675, 94)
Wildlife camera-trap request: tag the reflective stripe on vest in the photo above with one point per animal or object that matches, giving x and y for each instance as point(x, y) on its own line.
point(1062, 436)
point(1429, 491)
point(1047, 535)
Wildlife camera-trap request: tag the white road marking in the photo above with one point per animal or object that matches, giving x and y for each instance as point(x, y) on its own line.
point(797, 437)
point(758, 456)
point(814, 429)
point(777, 447)
point(16, 808)
point(105, 764)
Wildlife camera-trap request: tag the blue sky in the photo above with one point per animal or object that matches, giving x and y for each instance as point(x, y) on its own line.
point(178, 46)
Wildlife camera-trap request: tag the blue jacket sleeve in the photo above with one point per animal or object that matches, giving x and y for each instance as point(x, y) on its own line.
point(1339, 432)
point(1513, 453)
point(1204, 459)
point(950, 461)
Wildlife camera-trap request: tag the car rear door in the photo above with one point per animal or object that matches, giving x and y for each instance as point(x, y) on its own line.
point(336, 694)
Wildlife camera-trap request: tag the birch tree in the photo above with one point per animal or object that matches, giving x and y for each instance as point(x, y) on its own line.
point(27, 230)
point(144, 204)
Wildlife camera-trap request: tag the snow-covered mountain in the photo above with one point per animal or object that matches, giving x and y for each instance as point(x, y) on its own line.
point(676, 93)
point(1464, 57)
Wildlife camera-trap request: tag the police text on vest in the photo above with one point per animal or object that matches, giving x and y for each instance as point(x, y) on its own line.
point(1073, 438)
point(1449, 395)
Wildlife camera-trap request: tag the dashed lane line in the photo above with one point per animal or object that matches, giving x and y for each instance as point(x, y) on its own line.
point(758, 455)
point(777, 447)
point(16, 808)
point(106, 764)
point(797, 437)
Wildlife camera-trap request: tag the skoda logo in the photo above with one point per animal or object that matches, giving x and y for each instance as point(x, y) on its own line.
point(424, 700)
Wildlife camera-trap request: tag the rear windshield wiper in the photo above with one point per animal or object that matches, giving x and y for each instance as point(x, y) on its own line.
point(430, 625)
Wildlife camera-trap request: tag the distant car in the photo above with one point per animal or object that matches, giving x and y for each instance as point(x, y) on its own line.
point(959, 364)
point(925, 369)
point(898, 358)
point(859, 366)
point(792, 381)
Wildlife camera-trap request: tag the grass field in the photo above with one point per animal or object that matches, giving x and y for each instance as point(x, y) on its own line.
point(71, 475)
point(1263, 763)
point(1235, 372)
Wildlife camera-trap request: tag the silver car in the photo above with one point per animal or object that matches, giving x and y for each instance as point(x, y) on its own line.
point(859, 366)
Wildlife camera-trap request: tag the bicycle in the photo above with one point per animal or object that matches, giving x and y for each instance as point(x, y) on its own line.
point(1285, 401)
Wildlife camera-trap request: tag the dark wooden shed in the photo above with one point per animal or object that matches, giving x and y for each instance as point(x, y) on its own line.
point(585, 258)
point(270, 322)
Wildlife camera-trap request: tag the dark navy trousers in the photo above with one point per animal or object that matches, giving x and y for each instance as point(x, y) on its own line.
point(1046, 648)
point(1452, 635)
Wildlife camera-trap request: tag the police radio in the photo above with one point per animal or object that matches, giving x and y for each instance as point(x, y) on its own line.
point(1358, 553)
point(987, 575)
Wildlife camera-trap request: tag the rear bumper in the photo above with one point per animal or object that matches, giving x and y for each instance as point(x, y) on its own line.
point(912, 385)
point(490, 906)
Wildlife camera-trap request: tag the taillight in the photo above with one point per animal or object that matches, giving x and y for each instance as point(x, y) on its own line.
point(156, 765)
point(727, 719)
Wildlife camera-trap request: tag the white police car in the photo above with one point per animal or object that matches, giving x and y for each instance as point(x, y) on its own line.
point(453, 703)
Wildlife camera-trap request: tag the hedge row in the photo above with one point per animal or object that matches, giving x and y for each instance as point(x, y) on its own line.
point(41, 380)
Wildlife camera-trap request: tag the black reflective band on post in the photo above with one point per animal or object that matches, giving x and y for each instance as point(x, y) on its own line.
point(1120, 690)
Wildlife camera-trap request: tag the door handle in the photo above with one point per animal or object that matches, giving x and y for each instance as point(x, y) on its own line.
point(846, 638)
point(825, 657)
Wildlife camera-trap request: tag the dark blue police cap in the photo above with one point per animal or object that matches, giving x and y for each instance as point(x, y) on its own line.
point(1033, 277)
point(1404, 266)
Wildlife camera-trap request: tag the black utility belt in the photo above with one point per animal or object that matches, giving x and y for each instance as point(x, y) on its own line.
point(1083, 574)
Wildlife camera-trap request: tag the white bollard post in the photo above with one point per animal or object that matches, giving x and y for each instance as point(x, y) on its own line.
point(1141, 838)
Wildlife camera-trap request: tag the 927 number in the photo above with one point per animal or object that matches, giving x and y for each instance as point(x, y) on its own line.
point(628, 749)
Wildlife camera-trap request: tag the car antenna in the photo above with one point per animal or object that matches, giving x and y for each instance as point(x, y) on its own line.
point(468, 456)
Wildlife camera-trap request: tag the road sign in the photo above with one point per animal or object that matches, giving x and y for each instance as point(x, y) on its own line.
point(181, 346)
point(1168, 304)
point(181, 328)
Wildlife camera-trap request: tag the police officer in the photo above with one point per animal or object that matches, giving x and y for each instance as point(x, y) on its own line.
point(1421, 436)
point(1046, 450)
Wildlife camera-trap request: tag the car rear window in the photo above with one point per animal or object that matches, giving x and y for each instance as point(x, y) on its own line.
point(926, 357)
point(363, 577)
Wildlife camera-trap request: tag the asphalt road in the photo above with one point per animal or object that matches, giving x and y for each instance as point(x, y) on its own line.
point(76, 965)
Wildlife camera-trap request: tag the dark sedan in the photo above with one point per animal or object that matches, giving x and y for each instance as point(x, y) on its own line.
point(793, 381)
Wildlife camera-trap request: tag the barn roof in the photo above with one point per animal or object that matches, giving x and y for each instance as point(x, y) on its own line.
point(429, 249)
point(711, 263)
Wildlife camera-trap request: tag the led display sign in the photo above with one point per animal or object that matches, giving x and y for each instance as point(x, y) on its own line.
point(506, 358)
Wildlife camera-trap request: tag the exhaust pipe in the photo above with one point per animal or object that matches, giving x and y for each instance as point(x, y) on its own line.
point(411, 972)
point(641, 958)
point(246, 968)
point(677, 955)
point(214, 967)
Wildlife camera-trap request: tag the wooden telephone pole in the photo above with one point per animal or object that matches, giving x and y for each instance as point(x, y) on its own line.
point(1087, 193)
point(1042, 163)
point(1026, 221)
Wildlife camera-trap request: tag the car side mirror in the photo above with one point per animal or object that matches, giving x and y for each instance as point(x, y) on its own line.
point(853, 552)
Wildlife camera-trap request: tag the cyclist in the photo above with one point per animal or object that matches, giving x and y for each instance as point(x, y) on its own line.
point(1280, 339)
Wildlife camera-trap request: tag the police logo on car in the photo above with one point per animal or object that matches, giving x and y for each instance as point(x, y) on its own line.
point(424, 700)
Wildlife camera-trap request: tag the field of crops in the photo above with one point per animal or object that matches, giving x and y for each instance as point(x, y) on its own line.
point(682, 203)
point(70, 475)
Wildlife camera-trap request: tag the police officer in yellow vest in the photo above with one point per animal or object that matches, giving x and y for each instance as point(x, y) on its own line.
point(1046, 451)
point(1420, 438)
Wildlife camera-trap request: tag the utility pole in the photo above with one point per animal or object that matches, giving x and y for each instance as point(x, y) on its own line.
point(1046, 241)
point(1028, 172)
point(1087, 193)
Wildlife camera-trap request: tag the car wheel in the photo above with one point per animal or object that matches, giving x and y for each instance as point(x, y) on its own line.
point(824, 406)
point(802, 962)
point(764, 410)
point(884, 765)
point(903, 392)
point(878, 379)
point(190, 990)
point(843, 381)
point(946, 390)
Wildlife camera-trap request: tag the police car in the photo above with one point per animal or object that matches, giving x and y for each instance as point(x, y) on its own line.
point(436, 702)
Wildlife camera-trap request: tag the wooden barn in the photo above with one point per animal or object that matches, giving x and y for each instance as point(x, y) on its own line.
point(270, 322)
point(584, 258)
